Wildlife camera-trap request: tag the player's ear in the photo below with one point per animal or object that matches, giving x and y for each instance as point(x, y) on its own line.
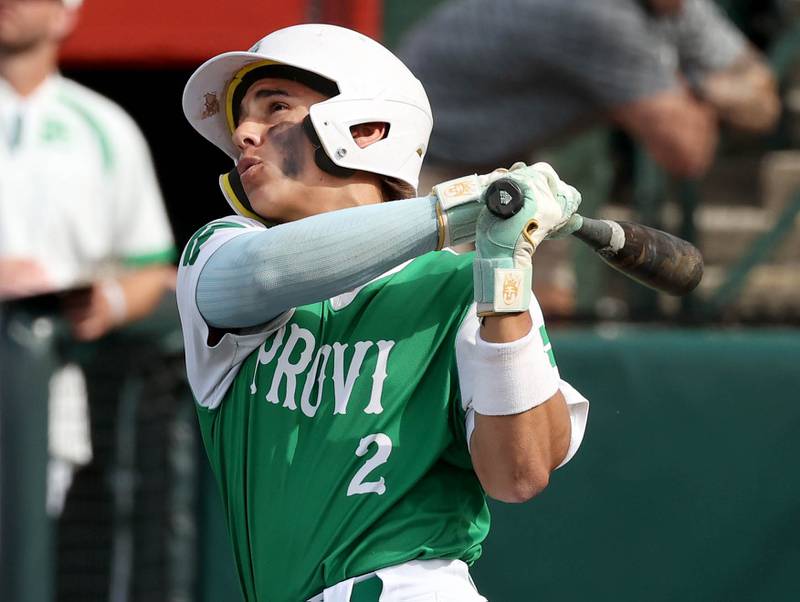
point(368, 133)
point(63, 23)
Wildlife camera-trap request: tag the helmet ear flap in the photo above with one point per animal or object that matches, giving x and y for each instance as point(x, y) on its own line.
point(322, 160)
point(231, 185)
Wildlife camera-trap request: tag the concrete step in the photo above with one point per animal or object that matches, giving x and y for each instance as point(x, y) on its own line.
point(771, 290)
point(725, 234)
point(780, 179)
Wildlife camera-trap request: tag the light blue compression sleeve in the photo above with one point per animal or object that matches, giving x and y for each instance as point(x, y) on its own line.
point(255, 277)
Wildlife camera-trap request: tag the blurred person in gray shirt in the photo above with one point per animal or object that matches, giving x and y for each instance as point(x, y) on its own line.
point(512, 80)
point(506, 77)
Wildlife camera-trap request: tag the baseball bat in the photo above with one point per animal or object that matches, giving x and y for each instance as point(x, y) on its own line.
point(651, 257)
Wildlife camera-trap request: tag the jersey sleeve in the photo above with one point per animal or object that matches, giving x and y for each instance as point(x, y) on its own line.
point(468, 371)
point(212, 368)
point(706, 39)
point(142, 230)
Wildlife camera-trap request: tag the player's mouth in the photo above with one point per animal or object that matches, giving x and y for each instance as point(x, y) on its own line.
point(247, 165)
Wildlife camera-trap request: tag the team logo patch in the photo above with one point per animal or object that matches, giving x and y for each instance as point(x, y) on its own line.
point(210, 105)
point(511, 286)
point(509, 294)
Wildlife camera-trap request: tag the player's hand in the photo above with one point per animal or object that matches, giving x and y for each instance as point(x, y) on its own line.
point(21, 277)
point(555, 201)
point(459, 205)
point(503, 268)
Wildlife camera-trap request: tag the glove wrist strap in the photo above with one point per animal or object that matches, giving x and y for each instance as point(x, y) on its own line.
point(500, 287)
point(458, 209)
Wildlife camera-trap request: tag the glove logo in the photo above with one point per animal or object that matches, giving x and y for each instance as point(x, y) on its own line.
point(460, 188)
point(511, 288)
point(505, 198)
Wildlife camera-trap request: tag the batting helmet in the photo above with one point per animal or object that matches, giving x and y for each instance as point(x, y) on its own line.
point(373, 86)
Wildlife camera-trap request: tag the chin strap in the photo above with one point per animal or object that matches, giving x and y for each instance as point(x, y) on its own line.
point(322, 160)
point(233, 191)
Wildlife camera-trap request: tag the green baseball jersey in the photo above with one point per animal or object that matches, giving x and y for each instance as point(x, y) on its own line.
point(339, 443)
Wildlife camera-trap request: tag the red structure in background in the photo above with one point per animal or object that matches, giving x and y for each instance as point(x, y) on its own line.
point(185, 32)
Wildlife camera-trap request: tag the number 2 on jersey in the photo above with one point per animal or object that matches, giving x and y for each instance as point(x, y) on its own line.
point(358, 484)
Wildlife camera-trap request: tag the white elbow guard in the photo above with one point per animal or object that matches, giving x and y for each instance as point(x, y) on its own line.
point(510, 378)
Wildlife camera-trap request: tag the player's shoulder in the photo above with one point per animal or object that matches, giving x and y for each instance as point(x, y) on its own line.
point(102, 121)
point(227, 227)
point(230, 221)
point(97, 111)
point(90, 100)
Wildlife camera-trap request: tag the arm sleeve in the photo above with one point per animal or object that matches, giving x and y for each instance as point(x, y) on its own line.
point(255, 277)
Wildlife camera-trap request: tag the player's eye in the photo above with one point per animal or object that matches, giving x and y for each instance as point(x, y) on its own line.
point(276, 106)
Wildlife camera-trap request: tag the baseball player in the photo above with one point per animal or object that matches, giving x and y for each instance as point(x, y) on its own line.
point(360, 389)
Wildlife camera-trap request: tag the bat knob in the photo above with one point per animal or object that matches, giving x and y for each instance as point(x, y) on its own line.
point(504, 197)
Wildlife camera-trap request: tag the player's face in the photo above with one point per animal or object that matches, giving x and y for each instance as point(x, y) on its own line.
point(276, 161)
point(26, 24)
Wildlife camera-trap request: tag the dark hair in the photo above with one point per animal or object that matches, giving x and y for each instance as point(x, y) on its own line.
point(393, 189)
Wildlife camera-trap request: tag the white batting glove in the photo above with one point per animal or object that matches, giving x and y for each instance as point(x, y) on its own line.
point(556, 201)
point(504, 248)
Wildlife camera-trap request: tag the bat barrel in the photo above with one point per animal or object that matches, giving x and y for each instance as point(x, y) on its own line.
point(652, 257)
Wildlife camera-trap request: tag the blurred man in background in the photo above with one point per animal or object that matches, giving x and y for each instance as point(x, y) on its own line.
point(83, 236)
point(667, 72)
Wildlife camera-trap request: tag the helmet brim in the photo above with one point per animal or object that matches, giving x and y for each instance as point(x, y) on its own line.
point(204, 97)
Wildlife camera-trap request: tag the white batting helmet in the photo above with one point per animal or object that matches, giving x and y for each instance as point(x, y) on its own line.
point(373, 85)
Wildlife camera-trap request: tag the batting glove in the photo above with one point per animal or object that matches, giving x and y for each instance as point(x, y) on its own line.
point(504, 248)
point(458, 206)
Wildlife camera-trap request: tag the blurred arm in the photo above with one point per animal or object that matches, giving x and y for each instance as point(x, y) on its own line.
point(115, 302)
point(679, 130)
point(745, 95)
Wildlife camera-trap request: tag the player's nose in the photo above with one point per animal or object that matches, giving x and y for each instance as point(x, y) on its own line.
point(249, 133)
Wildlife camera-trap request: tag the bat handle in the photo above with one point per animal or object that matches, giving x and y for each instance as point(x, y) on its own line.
point(604, 236)
point(504, 198)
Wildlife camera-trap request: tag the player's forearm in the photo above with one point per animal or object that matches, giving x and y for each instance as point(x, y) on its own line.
point(522, 425)
point(514, 455)
point(255, 277)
